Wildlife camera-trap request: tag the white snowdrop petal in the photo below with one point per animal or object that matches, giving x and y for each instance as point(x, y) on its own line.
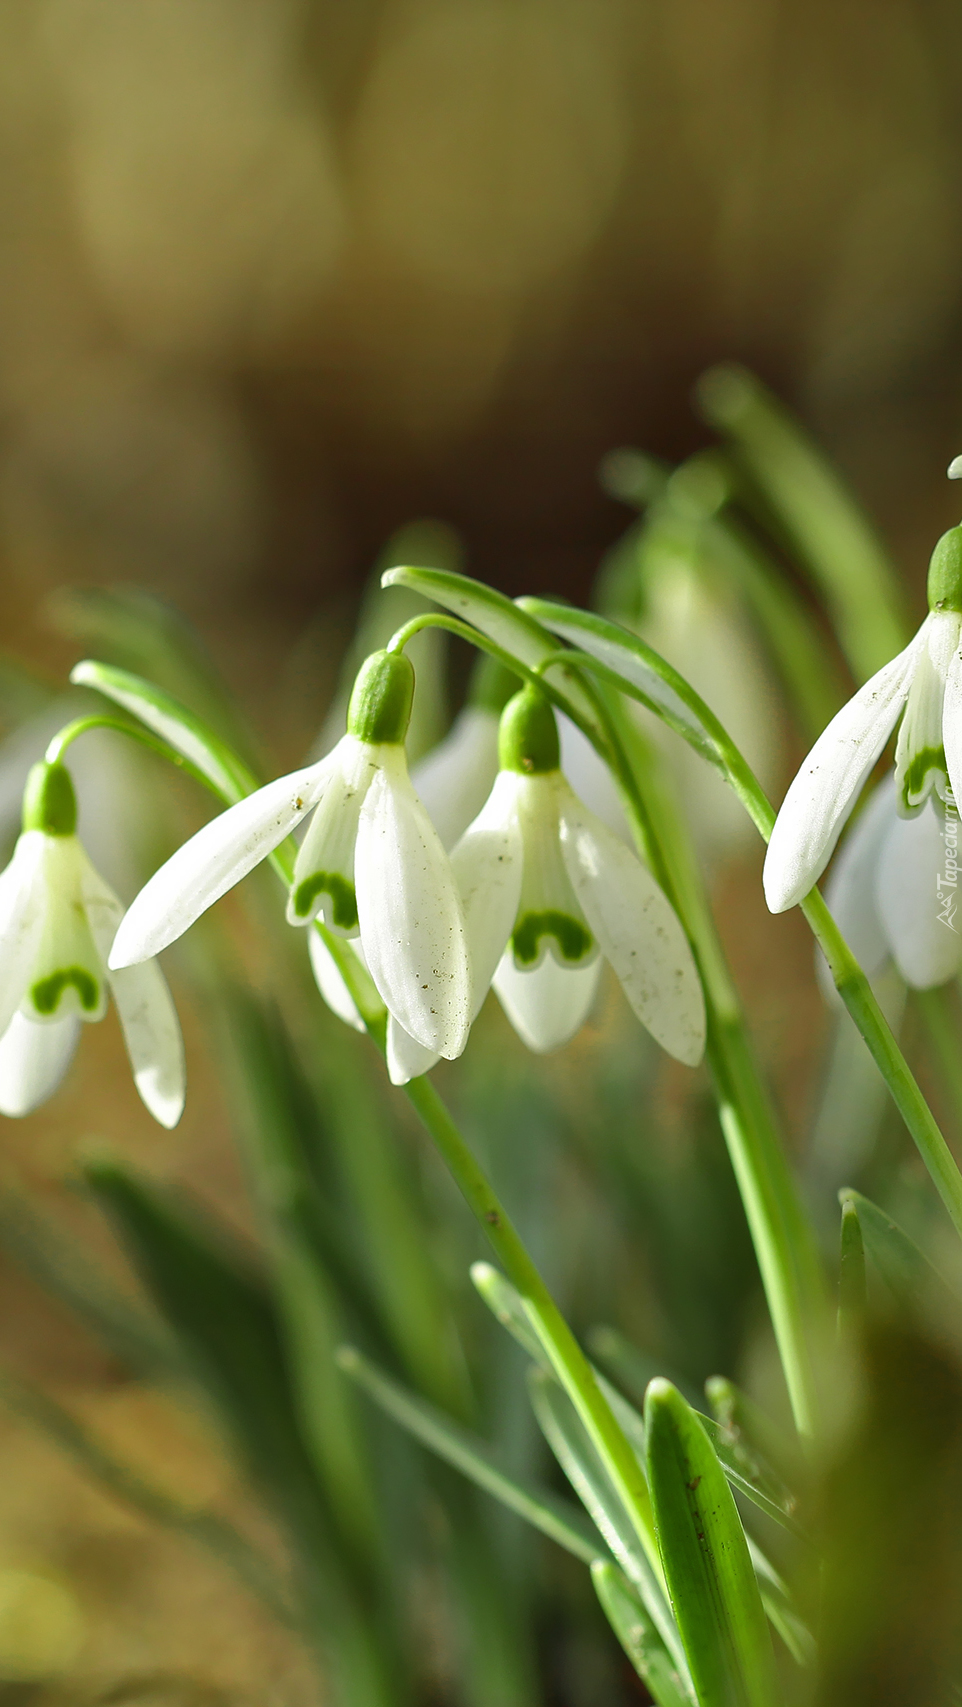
point(638, 931)
point(220, 854)
point(21, 921)
point(410, 915)
point(549, 1004)
point(919, 759)
point(329, 981)
point(454, 781)
point(67, 972)
point(323, 883)
point(824, 791)
point(850, 890)
point(487, 870)
point(34, 1059)
point(952, 723)
point(917, 906)
point(406, 1058)
point(152, 1037)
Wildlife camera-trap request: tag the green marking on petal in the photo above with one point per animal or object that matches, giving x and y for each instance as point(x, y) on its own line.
point(46, 993)
point(915, 780)
point(574, 939)
point(342, 897)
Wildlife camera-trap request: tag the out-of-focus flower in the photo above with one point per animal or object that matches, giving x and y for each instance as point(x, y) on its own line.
point(894, 890)
point(695, 624)
point(57, 922)
point(454, 780)
point(370, 866)
point(926, 681)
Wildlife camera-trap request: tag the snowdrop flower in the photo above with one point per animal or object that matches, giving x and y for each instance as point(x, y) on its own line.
point(548, 890)
point(894, 891)
point(925, 680)
point(370, 866)
point(57, 921)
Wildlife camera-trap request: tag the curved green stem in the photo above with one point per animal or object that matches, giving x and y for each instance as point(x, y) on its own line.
point(80, 726)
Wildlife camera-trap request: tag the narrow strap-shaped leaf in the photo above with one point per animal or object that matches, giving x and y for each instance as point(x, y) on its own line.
point(710, 1575)
point(756, 1481)
point(503, 621)
point(556, 1518)
point(634, 1629)
point(131, 628)
point(569, 1442)
point(782, 1613)
point(166, 717)
point(636, 668)
point(851, 1270)
point(505, 1305)
point(906, 1272)
point(752, 1430)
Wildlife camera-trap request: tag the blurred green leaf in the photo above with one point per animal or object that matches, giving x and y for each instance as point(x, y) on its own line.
point(130, 628)
point(140, 1340)
point(505, 1305)
point(555, 1518)
point(205, 1528)
point(629, 1619)
point(819, 514)
point(908, 1275)
point(851, 1270)
point(568, 1440)
point(711, 1579)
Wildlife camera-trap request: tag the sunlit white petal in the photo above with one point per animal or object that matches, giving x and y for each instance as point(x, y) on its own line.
point(919, 912)
point(411, 920)
point(549, 1004)
point(825, 789)
point(328, 979)
point(33, 1061)
point(323, 885)
point(21, 921)
point(406, 1058)
point(638, 931)
point(454, 781)
point(487, 870)
point(220, 854)
point(152, 1036)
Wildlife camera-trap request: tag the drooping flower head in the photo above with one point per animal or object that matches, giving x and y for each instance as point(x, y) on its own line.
point(454, 780)
point(548, 891)
point(370, 865)
point(57, 921)
point(924, 681)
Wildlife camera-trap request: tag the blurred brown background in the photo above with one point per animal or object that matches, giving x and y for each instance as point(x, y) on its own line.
point(276, 275)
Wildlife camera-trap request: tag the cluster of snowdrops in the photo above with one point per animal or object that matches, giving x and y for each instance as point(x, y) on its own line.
point(487, 870)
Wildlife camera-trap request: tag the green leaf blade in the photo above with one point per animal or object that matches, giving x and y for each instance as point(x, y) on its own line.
point(637, 1634)
point(708, 1566)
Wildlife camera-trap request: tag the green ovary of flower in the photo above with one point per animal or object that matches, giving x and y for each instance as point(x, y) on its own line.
point(46, 993)
point(574, 939)
point(342, 897)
